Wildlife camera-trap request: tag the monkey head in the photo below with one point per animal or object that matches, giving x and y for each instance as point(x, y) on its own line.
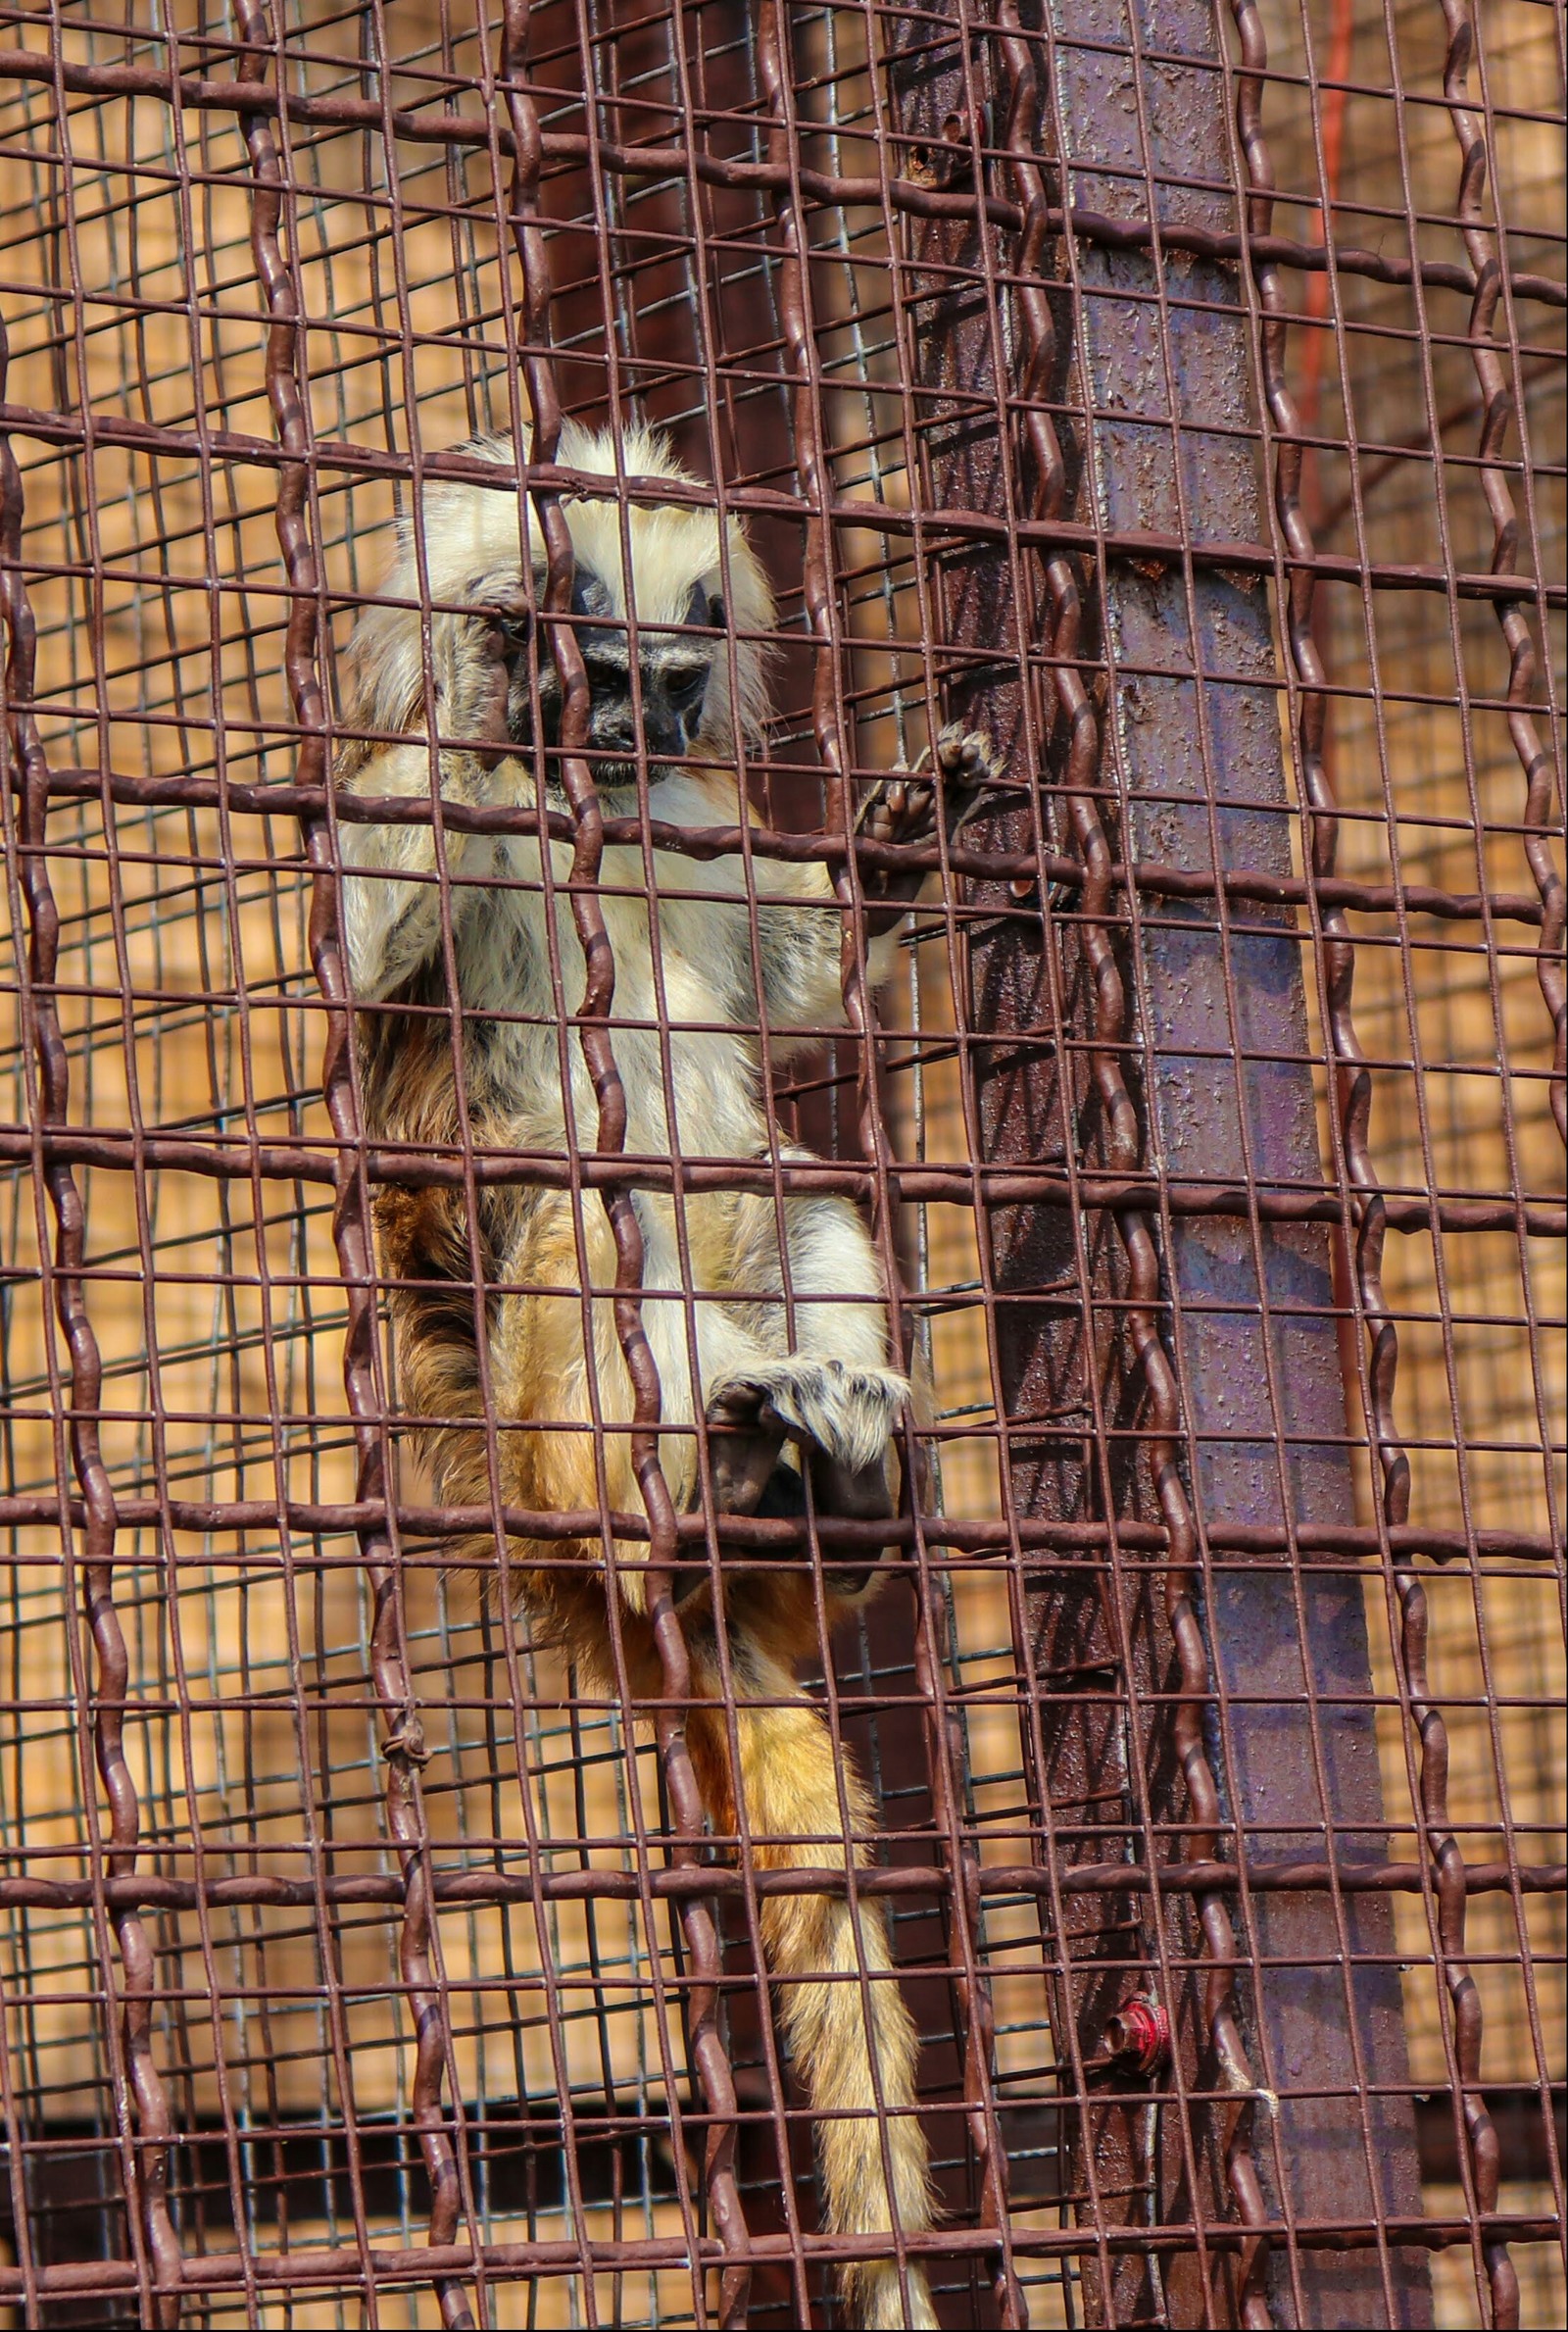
point(666, 611)
point(663, 705)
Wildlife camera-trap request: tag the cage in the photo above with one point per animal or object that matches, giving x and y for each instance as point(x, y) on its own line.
point(1175, 395)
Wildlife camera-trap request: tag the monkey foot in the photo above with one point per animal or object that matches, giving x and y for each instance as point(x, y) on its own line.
point(746, 1440)
point(841, 1419)
point(900, 808)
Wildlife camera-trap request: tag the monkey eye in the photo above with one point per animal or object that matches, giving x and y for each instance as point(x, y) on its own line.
point(684, 680)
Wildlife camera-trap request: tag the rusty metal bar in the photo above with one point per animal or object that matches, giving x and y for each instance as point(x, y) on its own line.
point(1201, 995)
point(998, 1881)
point(1267, 886)
point(338, 456)
point(124, 1948)
point(321, 2270)
point(1338, 1545)
point(251, 99)
point(950, 1185)
point(403, 1749)
point(705, 2035)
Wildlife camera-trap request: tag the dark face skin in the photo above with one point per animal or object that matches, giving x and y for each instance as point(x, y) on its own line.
point(673, 673)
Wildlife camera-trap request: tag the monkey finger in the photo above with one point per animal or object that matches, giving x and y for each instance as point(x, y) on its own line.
point(876, 815)
point(510, 609)
point(744, 1438)
point(489, 691)
point(501, 636)
point(968, 758)
point(902, 809)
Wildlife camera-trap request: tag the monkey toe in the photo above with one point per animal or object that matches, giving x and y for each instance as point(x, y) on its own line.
point(850, 1494)
point(743, 1473)
point(900, 808)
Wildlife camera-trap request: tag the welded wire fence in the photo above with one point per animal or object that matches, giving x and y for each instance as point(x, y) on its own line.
point(1177, 396)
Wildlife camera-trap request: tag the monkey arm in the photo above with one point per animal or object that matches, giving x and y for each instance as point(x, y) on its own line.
point(800, 946)
point(799, 924)
point(394, 878)
point(802, 943)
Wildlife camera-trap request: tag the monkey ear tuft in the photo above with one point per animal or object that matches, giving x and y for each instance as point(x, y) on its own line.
point(715, 612)
point(697, 605)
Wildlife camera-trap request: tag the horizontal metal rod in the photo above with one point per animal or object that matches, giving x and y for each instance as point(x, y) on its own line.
point(310, 2171)
point(952, 526)
point(769, 1537)
point(347, 2264)
point(151, 1891)
point(204, 94)
point(912, 1185)
point(702, 843)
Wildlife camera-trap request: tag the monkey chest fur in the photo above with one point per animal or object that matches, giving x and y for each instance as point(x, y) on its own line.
point(500, 1064)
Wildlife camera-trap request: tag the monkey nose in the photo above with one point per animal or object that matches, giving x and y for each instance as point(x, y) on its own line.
point(660, 727)
point(610, 725)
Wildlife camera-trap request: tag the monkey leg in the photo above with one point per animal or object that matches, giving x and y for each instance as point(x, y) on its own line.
point(850, 2037)
point(832, 1399)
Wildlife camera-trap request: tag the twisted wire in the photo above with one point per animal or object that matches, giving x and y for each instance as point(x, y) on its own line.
point(404, 1747)
point(1498, 412)
point(1136, 1225)
point(705, 2039)
point(141, 2100)
point(1352, 1082)
point(944, 1740)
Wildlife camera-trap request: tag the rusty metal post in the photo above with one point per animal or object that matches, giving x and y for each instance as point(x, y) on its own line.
point(1171, 1040)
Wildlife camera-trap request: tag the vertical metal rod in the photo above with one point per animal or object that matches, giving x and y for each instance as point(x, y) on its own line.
point(829, 726)
point(403, 1749)
point(141, 2100)
point(708, 2053)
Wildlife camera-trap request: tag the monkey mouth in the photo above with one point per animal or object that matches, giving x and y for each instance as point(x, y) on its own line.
point(614, 780)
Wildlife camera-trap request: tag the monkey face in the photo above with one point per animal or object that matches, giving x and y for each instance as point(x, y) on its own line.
point(665, 710)
point(479, 670)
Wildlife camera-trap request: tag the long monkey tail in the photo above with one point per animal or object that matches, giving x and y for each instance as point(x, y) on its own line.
point(850, 2037)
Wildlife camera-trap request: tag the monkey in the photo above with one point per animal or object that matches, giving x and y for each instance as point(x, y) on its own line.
point(798, 1397)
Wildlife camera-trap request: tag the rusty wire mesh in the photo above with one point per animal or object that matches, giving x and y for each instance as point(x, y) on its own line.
point(1181, 396)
